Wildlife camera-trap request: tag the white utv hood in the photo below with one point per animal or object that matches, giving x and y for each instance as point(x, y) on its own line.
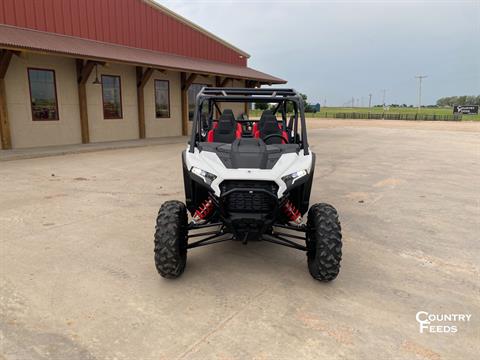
point(287, 164)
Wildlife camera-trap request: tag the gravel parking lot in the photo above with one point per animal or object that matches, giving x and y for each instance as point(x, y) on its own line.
point(78, 279)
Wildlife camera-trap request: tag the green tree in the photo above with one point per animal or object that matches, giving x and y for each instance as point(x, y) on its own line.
point(459, 100)
point(462, 100)
point(304, 98)
point(261, 106)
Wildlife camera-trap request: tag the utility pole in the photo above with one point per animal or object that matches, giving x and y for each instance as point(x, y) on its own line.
point(369, 100)
point(353, 102)
point(384, 92)
point(420, 78)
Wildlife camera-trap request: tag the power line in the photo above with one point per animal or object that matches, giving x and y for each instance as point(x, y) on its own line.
point(420, 78)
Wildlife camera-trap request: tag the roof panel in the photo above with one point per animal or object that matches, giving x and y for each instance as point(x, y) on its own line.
point(106, 20)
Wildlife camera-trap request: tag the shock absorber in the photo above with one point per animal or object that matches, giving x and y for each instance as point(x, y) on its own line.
point(292, 212)
point(203, 211)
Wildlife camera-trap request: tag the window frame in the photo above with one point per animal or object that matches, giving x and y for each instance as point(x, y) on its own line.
point(121, 100)
point(57, 118)
point(168, 98)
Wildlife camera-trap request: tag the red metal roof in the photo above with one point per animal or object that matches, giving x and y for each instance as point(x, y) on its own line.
point(134, 23)
point(19, 38)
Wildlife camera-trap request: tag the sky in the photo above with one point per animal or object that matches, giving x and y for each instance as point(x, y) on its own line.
point(335, 50)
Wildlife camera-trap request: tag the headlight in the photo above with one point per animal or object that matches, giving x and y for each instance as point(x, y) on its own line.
point(205, 175)
point(290, 179)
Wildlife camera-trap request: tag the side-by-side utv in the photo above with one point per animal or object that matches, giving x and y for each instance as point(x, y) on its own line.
point(248, 180)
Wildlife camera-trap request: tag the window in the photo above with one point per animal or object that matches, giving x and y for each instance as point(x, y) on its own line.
point(162, 99)
point(193, 91)
point(43, 94)
point(112, 97)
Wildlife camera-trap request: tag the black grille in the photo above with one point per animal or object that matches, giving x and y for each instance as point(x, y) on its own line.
point(249, 200)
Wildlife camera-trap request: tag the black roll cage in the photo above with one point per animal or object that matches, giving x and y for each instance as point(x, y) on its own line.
point(213, 95)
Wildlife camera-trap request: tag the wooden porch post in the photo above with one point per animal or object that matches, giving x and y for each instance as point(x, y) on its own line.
point(142, 79)
point(248, 84)
point(84, 69)
point(184, 103)
point(6, 140)
point(185, 84)
point(218, 83)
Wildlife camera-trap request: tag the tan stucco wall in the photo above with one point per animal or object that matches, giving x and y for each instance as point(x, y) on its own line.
point(163, 127)
point(125, 128)
point(27, 133)
point(237, 108)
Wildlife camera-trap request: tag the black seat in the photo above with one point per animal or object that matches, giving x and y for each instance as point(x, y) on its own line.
point(261, 122)
point(270, 126)
point(226, 130)
point(229, 113)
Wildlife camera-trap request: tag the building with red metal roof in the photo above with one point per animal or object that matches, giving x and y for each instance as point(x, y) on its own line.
point(80, 71)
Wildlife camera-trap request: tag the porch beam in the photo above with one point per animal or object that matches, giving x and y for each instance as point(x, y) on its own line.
point(225, 81)
point(143, 76)
point(5, 57)
point(188, 81)
point(86, 71)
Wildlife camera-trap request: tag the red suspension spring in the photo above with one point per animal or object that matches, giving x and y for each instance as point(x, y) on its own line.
point(292, 212)
point(203, 211)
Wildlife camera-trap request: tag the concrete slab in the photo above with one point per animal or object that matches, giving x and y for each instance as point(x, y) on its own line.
point(78, 279)
point(38, 152)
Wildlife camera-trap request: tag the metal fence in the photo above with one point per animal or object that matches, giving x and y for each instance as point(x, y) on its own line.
point(388, 116)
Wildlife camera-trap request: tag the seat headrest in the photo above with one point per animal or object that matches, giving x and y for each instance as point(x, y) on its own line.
point(229, 113)
point(270, 124)
point(267, 113)
point(227, 117)
point(225, 125)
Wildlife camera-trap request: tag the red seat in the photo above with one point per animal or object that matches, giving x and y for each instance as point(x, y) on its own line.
point(226, 129)
point(239, 131)
point(210, 135)
point(270, 127)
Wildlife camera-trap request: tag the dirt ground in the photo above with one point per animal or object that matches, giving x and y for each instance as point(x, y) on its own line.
point(78, 279)
point(468, 126)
